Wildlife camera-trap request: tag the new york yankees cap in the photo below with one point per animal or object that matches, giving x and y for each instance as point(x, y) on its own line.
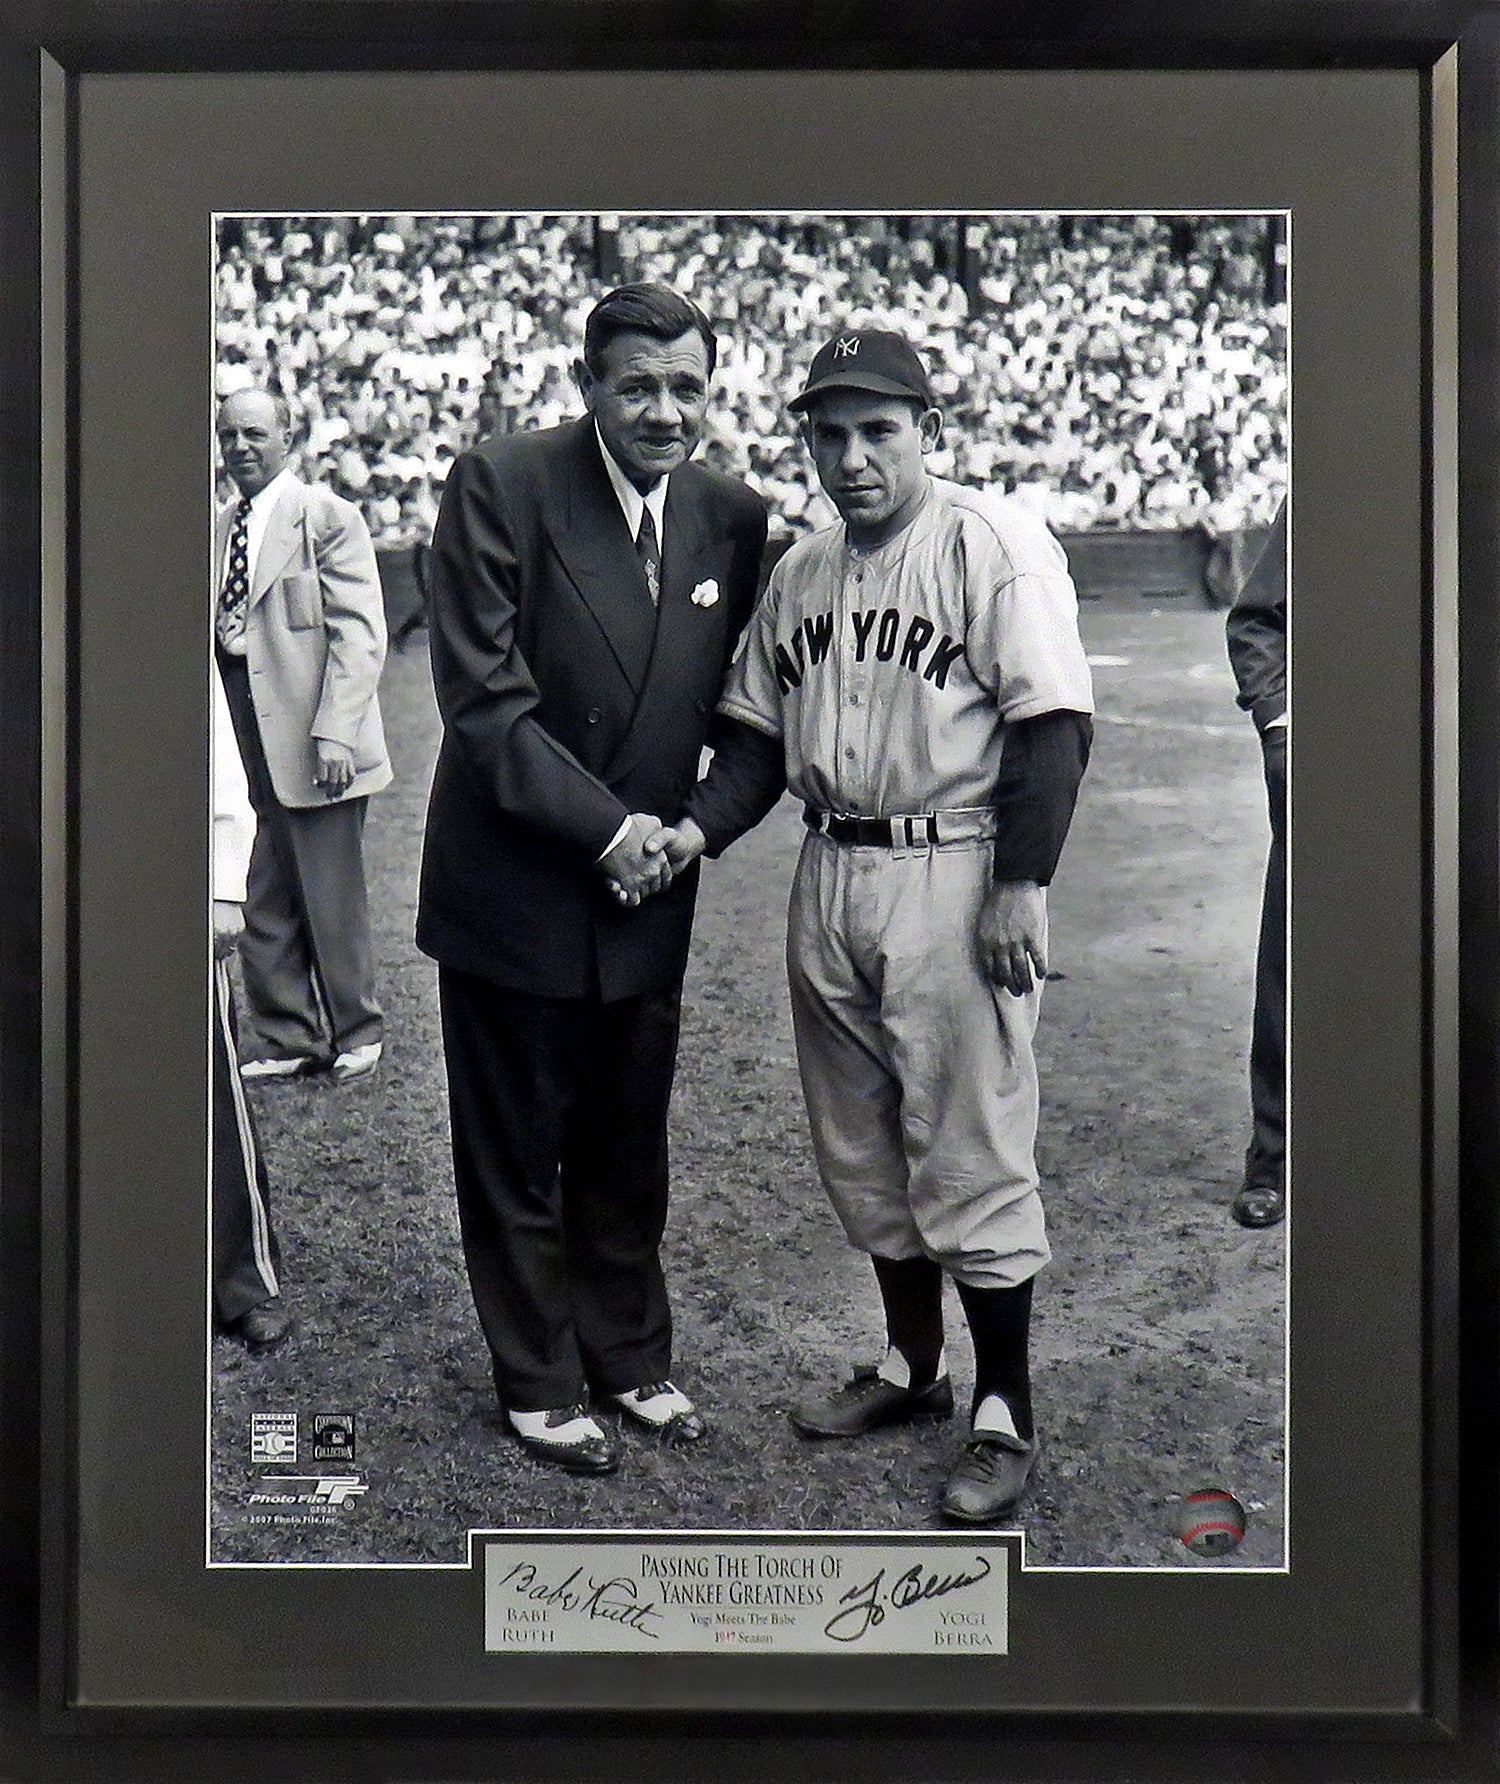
point(867, 359)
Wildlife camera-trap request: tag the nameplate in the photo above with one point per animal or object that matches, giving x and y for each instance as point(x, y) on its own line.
point(711, 1595)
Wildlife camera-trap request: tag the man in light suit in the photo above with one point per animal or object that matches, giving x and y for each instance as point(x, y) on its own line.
point(587, 587)
point(300, 640)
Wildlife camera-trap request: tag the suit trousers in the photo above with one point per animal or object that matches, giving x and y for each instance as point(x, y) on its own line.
point(1265, 1161)
point(559, 1117)
point(307, 956)
point(245, 1253)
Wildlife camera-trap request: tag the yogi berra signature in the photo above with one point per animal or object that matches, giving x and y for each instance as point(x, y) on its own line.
point(866, 1604)
point(611, 1600)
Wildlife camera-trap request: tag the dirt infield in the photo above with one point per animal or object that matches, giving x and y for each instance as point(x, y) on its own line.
point(1159, 1336)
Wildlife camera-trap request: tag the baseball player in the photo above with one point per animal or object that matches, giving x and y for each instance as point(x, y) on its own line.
point(915, 675)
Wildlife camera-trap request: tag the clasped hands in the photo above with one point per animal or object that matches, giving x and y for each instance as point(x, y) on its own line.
point(650, 856)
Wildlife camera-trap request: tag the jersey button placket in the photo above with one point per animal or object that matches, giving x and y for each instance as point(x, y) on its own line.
point(854, 724)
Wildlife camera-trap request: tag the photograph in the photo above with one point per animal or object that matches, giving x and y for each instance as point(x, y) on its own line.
point(749, 881)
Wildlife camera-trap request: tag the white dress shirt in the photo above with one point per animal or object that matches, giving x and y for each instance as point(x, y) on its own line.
point(632, 502)
point(632, 505)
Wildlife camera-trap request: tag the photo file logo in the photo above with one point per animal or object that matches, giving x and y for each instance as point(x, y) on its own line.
point(309, 1489)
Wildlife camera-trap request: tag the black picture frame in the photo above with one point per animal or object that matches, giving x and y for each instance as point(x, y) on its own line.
point(39, 1023)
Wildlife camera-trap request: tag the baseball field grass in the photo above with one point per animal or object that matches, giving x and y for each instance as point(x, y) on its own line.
point(1159, 1340)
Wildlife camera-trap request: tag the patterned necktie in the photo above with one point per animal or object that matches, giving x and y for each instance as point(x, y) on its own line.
point(236, 590)
point(650, 554)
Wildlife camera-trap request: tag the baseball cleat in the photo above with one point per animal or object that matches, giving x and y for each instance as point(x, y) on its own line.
point(300, 1066)
point(358, 1062)
point(1260, 1205)
point(263, 1327)
point(567, 1438)
point(990, 1480)
point(663, 1410)
point(867, 1401)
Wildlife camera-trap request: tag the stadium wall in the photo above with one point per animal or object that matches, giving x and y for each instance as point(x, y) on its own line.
point(1113, 567)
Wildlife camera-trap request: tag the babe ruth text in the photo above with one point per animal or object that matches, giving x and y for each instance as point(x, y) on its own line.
point(885, 636)
point(617, 1599)
point(866, 1605)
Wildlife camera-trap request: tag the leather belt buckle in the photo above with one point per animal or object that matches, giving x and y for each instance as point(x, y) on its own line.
point(912, 835)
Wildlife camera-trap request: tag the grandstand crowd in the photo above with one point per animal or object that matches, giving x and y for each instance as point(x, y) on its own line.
point(1112, 371)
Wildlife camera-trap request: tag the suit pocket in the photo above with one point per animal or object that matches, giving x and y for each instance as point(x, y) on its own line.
point(303, 599)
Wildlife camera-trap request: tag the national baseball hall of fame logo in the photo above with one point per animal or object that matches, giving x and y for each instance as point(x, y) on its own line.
point(273, 1437)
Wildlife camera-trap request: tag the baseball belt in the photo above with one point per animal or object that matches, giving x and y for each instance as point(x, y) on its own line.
point(905, 832)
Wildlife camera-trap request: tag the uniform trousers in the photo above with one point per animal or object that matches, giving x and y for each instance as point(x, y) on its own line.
point(918, 1071)
point(306, 954)
point(245, 1252)
point(559, 1117)
point(1265, 1161)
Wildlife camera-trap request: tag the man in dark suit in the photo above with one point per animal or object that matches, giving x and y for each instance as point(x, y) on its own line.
point(587, 588)
point(1256, 630)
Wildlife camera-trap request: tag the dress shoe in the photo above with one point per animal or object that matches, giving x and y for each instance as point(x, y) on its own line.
point(867, 1401)
point(567, 1438)
point(262, 1328)
point(990, 1479)
point(358, 1062)
point(302, 1066)
point(1260, 1205)
point(665, 1411)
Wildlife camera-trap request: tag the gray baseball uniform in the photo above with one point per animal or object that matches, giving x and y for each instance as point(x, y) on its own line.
point(890, 677)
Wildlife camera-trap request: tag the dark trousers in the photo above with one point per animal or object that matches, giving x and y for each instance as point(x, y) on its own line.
point(1265, 1161)
point(559, 1117)
point(245, 1253)
point(307, 956)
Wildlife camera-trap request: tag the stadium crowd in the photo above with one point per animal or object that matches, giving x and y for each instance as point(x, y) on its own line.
point(1111, 371)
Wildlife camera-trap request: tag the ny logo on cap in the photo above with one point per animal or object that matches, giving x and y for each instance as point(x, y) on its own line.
point(846, 347)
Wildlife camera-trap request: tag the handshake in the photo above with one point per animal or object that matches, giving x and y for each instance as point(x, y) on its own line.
point(650, 856)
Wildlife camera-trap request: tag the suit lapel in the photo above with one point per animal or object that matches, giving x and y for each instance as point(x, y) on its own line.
point(599, 555)
point(282, 537)
point(221, 545)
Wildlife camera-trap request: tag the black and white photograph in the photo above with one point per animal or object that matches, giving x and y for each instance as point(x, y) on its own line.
point(749, 881)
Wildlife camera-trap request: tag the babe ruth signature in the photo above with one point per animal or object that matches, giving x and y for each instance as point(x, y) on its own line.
point(613, 1600)
point(866, 1604)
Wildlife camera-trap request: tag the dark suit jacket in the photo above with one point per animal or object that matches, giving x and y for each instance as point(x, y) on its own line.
point(567, 703)
point(1256, 629)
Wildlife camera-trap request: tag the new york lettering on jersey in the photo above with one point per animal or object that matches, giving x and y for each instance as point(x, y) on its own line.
point(876, 634)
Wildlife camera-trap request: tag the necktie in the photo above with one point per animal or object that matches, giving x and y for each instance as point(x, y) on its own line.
point(236, 590)
point(649, 552)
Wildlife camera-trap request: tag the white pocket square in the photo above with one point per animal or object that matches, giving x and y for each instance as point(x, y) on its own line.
point(706, 593)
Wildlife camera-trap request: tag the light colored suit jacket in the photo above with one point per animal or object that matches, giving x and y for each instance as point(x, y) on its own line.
point(315, 640)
